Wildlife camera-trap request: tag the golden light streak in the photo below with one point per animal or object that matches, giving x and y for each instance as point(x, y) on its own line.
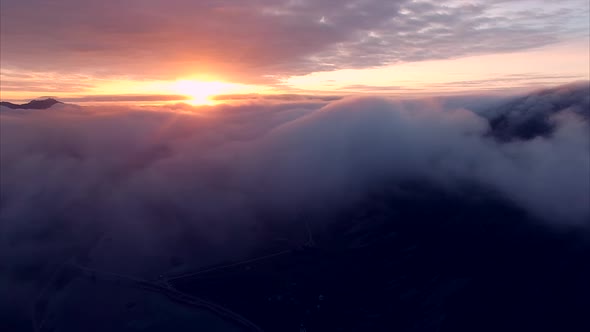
point(200, 93)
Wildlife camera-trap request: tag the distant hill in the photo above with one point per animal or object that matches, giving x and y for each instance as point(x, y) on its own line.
point(32, 105)
point(529, 116)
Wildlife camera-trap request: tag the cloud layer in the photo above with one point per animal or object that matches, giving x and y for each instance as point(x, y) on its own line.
point(129, 186)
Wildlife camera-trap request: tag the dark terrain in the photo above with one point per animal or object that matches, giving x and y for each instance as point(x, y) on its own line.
point(32, 105)
point(425, 260)
point(429, 262)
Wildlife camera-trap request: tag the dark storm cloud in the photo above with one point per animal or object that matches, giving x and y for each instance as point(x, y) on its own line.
point(246, 41)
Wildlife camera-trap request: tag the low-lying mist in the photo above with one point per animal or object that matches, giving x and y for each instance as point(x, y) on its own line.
point(128, 187)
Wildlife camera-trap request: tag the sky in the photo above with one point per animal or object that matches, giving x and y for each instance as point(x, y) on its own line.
point(154, 50)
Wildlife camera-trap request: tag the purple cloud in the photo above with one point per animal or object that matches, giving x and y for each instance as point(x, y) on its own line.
point(258, 41)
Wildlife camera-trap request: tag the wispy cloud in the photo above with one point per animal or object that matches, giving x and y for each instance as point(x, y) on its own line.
point(276, 97)
point(260, 41)
point(123, 98)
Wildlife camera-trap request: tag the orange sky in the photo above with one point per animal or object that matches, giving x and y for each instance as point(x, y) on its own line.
point(150, 50)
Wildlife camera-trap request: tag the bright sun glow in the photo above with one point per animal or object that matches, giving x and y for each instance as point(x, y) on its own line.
point(200, 93)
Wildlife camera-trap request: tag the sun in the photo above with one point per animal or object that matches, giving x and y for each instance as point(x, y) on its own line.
point(193, 91)
point(200, 92)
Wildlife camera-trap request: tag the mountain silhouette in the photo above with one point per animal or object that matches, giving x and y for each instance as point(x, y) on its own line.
point(32, 105)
